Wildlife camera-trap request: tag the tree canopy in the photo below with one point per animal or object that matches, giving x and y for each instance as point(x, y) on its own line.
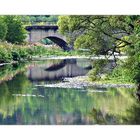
point(3, 29)
point(99, 33)
point(107, 35)
point(16, 32)
point(12, 29)
point(39, 18)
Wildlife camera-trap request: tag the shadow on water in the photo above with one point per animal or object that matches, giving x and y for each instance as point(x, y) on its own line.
point(21, 102)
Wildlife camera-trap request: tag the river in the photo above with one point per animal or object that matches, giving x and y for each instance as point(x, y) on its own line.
point(23, 102)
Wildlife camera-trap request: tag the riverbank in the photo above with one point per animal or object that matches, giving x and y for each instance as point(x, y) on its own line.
point(83, 82)
point(80, 81)
point(40, 58)
point(43, 58)
point(12, 52)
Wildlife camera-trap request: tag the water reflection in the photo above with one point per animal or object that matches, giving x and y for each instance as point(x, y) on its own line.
point(114, 107)
point(21, 102)
point(56, 70)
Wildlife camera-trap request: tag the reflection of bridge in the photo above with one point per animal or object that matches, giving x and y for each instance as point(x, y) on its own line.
point(66, 68)
point(37, 33)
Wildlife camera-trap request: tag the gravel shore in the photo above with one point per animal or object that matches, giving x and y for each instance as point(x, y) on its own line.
point(82, 82)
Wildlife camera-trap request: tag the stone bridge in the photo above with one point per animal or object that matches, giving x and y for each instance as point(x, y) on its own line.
point(37, 33)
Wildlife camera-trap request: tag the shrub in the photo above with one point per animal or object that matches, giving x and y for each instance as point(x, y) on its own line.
point(5, 55)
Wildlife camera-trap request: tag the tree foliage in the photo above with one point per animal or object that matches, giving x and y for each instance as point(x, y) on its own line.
point(107, 35)
point(15, 30)
point(3, 29)
point(39, 18)
point(100, 33)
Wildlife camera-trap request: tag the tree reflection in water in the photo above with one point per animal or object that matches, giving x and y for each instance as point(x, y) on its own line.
point(21, 102)
point(121, 108)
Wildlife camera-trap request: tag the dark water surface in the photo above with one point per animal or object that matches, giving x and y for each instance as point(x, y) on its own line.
point(22, 102)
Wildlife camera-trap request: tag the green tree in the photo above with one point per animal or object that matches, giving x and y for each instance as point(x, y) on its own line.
point(3, 28)
point(52, 19)
point(100, 33)
point(25, 19)
point(107, 35)
point(16, 32)
point(32, 19)
point(40, 18)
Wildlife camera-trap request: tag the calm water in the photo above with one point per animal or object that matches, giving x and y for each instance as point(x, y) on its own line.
point(22, 102)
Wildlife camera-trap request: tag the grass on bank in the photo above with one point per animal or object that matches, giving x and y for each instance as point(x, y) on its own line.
point(116, 76)
point(112, 81)
point(11, 52)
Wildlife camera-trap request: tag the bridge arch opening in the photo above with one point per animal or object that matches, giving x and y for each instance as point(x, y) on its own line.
point(59, 41)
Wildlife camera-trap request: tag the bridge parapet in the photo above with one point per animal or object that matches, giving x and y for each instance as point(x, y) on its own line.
point(41, 27)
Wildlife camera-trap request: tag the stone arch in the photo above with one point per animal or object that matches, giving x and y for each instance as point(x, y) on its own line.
point(37, 33)
point(60, 42)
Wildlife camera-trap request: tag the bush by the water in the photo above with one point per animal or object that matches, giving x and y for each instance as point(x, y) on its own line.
point(11, 52)
point(122, 73)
